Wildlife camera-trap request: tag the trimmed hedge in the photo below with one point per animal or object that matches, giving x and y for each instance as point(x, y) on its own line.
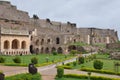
point(24, 77)
point(99, 71)
point(65, 67)
point(86, 77)
point(60, 72)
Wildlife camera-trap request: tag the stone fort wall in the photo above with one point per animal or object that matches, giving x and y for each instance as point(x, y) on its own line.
point(45, 34)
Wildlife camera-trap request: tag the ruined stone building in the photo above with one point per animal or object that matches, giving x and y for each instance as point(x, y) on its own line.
point(20, 34)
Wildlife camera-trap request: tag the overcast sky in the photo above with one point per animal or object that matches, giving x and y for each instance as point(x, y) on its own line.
point(86, 13)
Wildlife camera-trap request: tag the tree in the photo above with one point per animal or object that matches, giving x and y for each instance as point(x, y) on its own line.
point(98, 64)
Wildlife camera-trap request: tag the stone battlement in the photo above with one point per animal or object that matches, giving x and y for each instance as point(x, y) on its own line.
point(14, 14)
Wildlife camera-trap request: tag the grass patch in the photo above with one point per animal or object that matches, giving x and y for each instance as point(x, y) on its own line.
point(26, 59)
point(24, 77)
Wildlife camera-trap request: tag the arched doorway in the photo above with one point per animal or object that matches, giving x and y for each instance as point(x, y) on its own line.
point(47, 50)
point(6, 44)
point(72, 47)
point(42, 50)
point(23, 45)
point(60, 50)
point(53, 49)
point(15, 44)
point(37, 51)
point(31, 49)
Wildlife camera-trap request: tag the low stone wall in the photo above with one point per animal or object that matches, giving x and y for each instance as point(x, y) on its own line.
point(113, 46)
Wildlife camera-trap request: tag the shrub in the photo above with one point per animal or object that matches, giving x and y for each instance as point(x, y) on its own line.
point(74, 63)
point(68, 64)
point(60, 72)
point(54, 53)
point(17, 60)
point(98, 64)
point(2, 60)
point(81, 60)
point(73, 52)
point(34, 60)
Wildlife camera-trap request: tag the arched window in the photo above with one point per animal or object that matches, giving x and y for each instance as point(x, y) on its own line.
point(15, 44)
point(6, 44)
point(42, 41)
point(48, 41)
point(57, 40)
point(23, 45)
point(37, 42)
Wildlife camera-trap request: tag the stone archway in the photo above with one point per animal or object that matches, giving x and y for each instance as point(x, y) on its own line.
point(42, 50)
point(53, 49)
point(15, 44)
point(37, 51)
point(6, 44)
point(57, 40)
point(31, 49)
point(23, 45)
point(71, 47)
point(42, 41)
point(60, 50)
point(47, 50)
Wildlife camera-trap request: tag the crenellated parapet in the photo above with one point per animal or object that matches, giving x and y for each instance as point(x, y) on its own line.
point(13, 32)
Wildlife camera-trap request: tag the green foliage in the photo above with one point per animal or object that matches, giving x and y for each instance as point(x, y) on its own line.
point(97, 64)
point(34, 60)
point(2, 60)
point(60, 72)
point(68, 64)
point(81, 60)
point(99, 71)
point(65, 67)
point(54, 53)
point(79, 44)
point(74, 63)
point(86, 77)
point(24, 77)
point(73, 52)
point(17, 59)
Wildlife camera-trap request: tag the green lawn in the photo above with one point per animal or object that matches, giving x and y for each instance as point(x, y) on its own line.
point(108, 64)
point(26, 76)
point(26, 59)
point(70, 79)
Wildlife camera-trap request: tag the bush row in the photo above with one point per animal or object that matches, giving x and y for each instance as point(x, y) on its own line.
point(86, 77)
point(99, 71)
point(24, 77)
point(65, 67)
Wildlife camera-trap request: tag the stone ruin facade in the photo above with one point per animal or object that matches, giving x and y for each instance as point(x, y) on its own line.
point(21, 34)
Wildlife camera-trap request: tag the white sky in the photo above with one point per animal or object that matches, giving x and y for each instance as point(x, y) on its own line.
point(86, 13)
